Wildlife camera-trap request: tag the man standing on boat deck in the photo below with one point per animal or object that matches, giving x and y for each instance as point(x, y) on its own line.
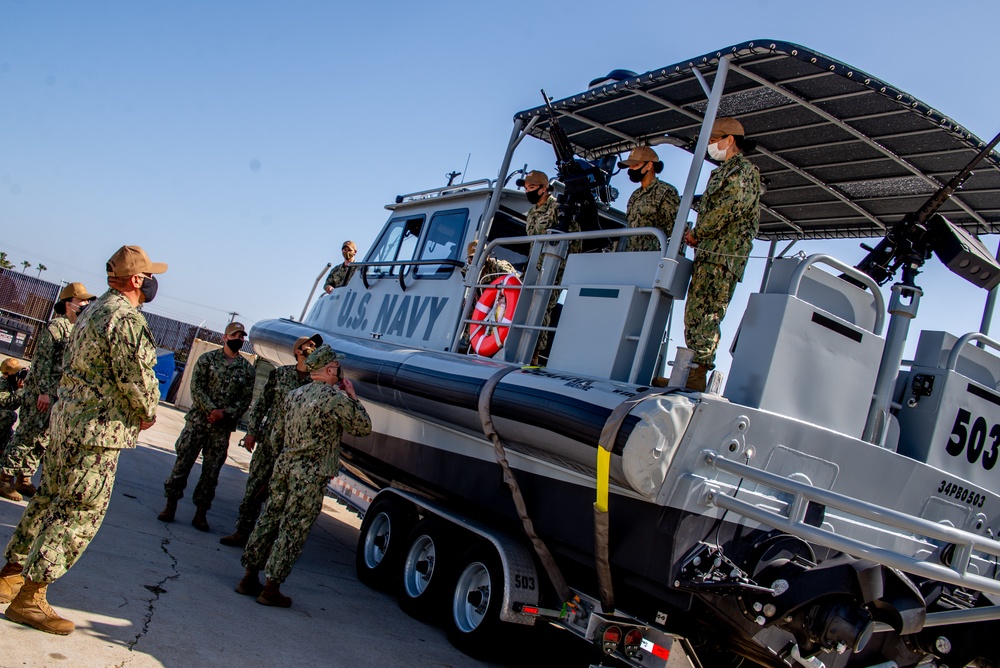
point(221, 390)
point(108, 394)
point(24, 452)
point(542, 217)
point(341, 274)
point(654, 203)
point(260, 434)
point(308, 429)
point(728, 218)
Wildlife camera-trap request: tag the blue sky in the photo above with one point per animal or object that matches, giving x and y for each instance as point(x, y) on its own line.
point(242, 142)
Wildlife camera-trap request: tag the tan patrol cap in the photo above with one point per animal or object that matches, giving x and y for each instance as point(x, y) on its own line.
point(234, 327)
point(131, 261)
point(315, 338)
point(472, 247)
point(349, 244)
point(75, 290)
point(727, 126)
point(640, 155)
point(10, 366)
point(536, 178)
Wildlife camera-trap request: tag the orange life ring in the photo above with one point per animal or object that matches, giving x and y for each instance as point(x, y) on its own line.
point(494, 309)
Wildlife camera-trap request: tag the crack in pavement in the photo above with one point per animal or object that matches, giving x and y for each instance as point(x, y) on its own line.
point(156, 589)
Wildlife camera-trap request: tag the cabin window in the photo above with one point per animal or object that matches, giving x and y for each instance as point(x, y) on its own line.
point(445, 240)
point(398, 243)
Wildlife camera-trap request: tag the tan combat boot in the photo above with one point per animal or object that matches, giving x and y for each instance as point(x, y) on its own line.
point(167, 514)
point(250, 584)
point(10, 581)
point(271, 595)
point(24, 486)
point(697, 378)
point(7, 490)
point(235, 539)
point(200, 521)
point(29, 607)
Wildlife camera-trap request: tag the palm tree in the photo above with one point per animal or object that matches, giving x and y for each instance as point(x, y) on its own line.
point(26, 265)
point(4, 262)
point(41, 267)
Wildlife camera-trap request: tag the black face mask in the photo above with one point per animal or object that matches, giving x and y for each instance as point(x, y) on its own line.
point(534, 196)
point(635, 175)
point(234, 345)
point(149, 286)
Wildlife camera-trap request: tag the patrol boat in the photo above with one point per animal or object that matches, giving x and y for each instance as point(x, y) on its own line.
point(828, 504)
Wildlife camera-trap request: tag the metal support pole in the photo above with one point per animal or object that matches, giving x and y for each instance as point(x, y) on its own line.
point(767, 266)
point(902, 310)
point(991, 301)
point(313, 291)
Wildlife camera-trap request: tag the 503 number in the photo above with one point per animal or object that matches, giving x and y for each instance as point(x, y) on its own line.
point(972, 439)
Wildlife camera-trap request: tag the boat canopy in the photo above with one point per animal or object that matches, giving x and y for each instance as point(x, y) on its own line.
point(843, 154)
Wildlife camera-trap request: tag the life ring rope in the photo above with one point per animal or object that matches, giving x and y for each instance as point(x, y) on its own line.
point(492, 315)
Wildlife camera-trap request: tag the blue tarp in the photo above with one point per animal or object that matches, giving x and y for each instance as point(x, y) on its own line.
point(164, 370)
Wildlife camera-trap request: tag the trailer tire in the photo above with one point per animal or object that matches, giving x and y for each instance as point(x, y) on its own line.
point(381, 542)
point(477, 592)
point(425, 569)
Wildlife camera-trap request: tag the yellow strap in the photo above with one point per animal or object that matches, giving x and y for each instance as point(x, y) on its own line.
point(603, 474)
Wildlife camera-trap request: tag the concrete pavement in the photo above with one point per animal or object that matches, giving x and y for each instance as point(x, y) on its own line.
point(148, 593)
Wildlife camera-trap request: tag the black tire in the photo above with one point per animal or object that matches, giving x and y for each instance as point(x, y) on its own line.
point(425, 569)
point(381, 542)
point(476, 594)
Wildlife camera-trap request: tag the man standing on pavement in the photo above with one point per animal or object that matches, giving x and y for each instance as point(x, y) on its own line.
point(341, 274)
point(311, 422)
point(728, 218)
point(221, 390)
point(22, 456)
point(654, 203)
point(260, 435)
point(108, 393)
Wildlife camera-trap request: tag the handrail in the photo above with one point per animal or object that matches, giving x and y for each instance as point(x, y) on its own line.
point(956, 350)
point(446, 190)
point(965, 542)
point(818, 258)
point(401, 264)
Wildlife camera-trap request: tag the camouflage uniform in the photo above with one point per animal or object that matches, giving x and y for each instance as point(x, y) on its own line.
point(310, 424)
point(654, 206)
point(108, 387)
point(541, 218)
point(280, 382)
point(728, 217)
point(24, 452)
point(10, 400)
point(217, 382)
point(339, 275)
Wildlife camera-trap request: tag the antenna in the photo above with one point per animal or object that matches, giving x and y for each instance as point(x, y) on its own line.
point(466, 167)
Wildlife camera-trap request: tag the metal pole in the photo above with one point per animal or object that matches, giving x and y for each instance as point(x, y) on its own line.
point(313, 291)
point(770, 261)
point(991, 300)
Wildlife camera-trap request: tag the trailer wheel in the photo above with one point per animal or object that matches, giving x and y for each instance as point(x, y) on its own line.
point(381, 542)
point(423, 587)
point(473, 621)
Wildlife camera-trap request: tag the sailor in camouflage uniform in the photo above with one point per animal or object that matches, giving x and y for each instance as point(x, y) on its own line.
point(221, 391)
point(493, 268)
point(728, 217)
point(542, 217)
point(280, 382)
point(341, 274)
point(654, 203)
point(311, 422)
point(21, 458)
point(108, 393)
point(10, 397)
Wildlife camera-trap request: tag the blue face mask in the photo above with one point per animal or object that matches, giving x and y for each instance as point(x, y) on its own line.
point(149, 287)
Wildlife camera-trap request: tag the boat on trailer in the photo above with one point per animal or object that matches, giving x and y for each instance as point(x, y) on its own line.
point(827, 504)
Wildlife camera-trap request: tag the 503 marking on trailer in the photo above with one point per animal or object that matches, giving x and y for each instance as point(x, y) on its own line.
point(972, 442)
point(526, 582)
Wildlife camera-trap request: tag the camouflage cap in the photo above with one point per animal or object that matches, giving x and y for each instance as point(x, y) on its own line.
point(75, 291)
point(322, 356)
point(11, 365)
point(234, 327)
point(727, 126)
point(132, 261)
point(640, 155)
point(315, 338)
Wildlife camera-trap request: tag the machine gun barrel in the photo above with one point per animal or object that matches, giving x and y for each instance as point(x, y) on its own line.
point(941, 196)
point(560, 142)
